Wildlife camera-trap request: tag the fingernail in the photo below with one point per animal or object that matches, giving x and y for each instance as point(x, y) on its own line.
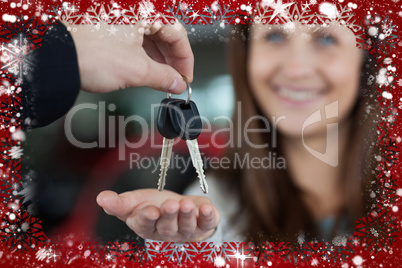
point(207, 213)
point(186, 210)
point(173, 85)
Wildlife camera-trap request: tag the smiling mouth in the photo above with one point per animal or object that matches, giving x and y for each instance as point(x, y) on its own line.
point(298, 95)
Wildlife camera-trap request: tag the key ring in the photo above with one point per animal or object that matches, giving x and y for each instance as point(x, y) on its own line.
point(189, 90)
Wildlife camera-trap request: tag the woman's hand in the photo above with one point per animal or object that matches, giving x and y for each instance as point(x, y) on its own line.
point(112, 57)
point(164, 216)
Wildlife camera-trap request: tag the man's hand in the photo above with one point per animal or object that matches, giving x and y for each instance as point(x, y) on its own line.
point(112, 57)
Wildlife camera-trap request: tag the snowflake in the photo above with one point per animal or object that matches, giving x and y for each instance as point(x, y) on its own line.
point(340, 252)
point(180, 252)
point(15, 152)
point(15, 58)
point(42, 254)
point(10, 111)
point(52, 254)
point(137, 252)
point(107, 252)
point(184, 14)
point(39, 8)
point(219, 262)
point(153, 249)
point(32, 30)
point(217, 12)
point(9, 190)
point(313, 2)
point(305, 6)
point(280, 9)
point(94, 14)
point(8, 153)
point(146, 9)
point(374, 232)
point(21, 231)
point(211, 251)
point(260, 253)
point(292, 252)
point(400, 82)
point(340, 241)
point(69, 7)
point(242, 257)
point(9, 89)
point(386, 188)
point(384, 41)
point(377, 232)
point(387, 145)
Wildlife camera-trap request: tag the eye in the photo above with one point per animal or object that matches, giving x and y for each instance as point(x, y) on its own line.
point(275, 37)
point(325, 40)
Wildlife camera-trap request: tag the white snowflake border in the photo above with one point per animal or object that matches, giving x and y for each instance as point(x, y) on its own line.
point(145, 12)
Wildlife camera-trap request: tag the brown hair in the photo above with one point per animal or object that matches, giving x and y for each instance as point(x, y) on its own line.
point(271, 199)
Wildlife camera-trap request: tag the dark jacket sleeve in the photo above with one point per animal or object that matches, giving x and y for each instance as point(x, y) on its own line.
point(50, 89)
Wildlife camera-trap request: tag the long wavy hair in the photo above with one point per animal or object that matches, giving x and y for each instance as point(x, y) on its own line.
point(273, 202)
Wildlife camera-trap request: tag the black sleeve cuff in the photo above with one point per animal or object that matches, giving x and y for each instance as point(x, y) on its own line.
point(50, 90)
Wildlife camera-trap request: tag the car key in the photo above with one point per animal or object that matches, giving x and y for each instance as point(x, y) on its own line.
point(186, 123)
point(179, 118)
point(165, 129)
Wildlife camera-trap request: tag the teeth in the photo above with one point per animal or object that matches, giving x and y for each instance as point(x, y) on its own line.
point(297, 95)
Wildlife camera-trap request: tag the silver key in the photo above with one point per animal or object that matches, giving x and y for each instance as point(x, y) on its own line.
point(165, 161)
point(197, 163)
point(169, 126)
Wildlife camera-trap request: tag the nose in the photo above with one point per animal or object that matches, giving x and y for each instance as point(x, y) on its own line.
point(299, 59)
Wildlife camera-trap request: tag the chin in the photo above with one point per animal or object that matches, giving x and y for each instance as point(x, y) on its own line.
point(294, 130)
point(289, 130)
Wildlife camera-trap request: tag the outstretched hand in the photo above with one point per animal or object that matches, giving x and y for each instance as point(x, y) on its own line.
point(112, 57)
point(164, 216)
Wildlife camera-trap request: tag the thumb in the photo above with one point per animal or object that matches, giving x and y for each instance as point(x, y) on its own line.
point(116, 205)
point(165, 78)
point(122, 205)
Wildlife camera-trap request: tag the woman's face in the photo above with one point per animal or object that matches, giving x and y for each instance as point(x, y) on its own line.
point(295, 70)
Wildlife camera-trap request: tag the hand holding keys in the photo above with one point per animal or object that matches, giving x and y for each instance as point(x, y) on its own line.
point(180, 118)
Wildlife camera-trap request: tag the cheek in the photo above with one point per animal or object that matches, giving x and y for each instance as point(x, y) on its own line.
point(261, 66)
point(344, 78)
point(255, 69)
point(342, 73)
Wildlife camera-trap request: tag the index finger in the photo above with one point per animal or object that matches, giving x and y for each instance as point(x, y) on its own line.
point(174, 45)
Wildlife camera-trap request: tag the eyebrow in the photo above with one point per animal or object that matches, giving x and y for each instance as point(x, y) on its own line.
point(308, 29)
point(327, 29)
point(277, 28)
